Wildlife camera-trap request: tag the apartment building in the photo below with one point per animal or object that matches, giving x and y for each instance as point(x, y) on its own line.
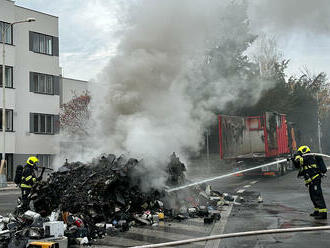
point(33, 79)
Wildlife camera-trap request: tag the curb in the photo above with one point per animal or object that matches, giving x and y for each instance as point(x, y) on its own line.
point(9, 189)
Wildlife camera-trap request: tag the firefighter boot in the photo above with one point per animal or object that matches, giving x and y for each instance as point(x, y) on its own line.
point(314, 214)
point(321, 216)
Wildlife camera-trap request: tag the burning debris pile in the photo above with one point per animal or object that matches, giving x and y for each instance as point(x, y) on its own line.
point(98, 191)
point(105, 191)
point(88, 201)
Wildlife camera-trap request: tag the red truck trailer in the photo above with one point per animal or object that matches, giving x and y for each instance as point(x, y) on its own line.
point(255, 140)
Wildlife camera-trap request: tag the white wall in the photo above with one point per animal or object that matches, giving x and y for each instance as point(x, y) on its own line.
point(70, 87)
point(26, 101)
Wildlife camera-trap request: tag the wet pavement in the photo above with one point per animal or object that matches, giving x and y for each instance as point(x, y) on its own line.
point(285, 204)
point(8, 200)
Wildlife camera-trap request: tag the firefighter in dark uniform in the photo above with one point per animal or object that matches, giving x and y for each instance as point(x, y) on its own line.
point(28, 180)
point(309, 168)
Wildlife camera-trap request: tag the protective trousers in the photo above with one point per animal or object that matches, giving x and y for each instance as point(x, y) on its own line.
point(25, 198)
point(315, 192)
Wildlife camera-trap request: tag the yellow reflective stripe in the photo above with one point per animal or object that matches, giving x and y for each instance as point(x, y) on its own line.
point(310, 166)
point(315, 176)
point(34, 179)
point(299, 159)
point(25, 186)
point(316, 209)
point(311, 179)
point(28, 178)
point(323, 210)
point(308, 180)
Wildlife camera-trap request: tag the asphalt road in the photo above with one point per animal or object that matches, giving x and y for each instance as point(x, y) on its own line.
point(286, 204)
point(8, 200)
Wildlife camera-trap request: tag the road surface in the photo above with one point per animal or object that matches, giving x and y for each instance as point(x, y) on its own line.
point(286, 204)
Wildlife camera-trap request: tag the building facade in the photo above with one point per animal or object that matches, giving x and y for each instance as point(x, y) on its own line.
point(71, 88)
point(33, 79)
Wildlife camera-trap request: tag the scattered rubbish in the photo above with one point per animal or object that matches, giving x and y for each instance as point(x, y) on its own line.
point(208, 220)
point(215, 214)
point(161, 216)
point(228, 197)
point(54, 228)
point(260, 200)
point(85, 201)
point(30, 215)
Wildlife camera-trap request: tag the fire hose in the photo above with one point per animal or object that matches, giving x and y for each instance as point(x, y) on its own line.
point(224, 176)
point(238, 234)
point(241, 171)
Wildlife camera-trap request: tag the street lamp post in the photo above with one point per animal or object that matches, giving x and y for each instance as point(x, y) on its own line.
point(3, 37)
point(318, 123)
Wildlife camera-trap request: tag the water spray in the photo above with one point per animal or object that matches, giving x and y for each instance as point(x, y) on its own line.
point(226, 175)
point(241, 171)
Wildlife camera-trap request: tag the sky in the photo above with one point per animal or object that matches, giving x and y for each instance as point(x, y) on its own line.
point(90, 31)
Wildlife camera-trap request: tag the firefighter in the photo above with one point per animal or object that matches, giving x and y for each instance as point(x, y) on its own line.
point(176, 170)
point(28, 180)
point(310, 167)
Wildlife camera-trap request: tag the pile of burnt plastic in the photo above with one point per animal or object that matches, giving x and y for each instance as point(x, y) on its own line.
point(106, 190)
point(86, 201)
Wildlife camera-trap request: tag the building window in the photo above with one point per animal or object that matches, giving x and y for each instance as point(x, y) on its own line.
point(43, 83)
point(8, 76)
point(42, 43)
point(9, 32)
point(9, 119)
point(45, 160)
point(43, 123)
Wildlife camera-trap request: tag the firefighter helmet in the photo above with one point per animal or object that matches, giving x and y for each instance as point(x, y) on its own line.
point(304, 149)
point(32, 160)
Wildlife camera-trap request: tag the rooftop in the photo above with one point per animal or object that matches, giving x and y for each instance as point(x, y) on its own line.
point(34, 10)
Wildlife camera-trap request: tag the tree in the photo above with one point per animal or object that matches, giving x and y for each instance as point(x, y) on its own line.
point(74, 115)
point(267, 56)
point(304, 99)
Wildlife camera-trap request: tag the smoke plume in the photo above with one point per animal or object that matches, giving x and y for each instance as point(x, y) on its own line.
point(169, 78)
point(283, 16)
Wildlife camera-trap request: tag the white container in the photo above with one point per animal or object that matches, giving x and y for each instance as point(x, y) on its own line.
point(56, 228)
point(31, 215)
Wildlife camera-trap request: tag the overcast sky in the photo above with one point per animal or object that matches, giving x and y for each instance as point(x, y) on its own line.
point(89, 32)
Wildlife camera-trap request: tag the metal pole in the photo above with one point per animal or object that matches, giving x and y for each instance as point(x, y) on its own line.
point(318, 123)
point(207, 147)
point(3, 95)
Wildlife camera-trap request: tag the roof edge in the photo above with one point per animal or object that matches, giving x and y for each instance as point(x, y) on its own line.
point(84, 81)
point(36, 11)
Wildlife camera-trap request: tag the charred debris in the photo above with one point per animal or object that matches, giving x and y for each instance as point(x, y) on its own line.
point(104, 197)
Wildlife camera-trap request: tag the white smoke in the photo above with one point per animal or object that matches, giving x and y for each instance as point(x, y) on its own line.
point(285, 16)
point(154, 97)
point(164, 86)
